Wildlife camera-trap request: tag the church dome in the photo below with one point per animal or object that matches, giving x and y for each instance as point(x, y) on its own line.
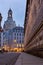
point(9, 23)
point(10, 13)
point(10, 10)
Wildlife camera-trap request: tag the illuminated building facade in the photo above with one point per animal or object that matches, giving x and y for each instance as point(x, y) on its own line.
point(18, 35)
point(14, 37)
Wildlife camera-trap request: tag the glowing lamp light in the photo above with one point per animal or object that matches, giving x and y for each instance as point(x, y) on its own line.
point(14, 40)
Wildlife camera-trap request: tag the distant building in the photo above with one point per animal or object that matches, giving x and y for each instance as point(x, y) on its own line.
point(9, 23)
point(18, 35)
point(14, 36)
point(1, 32)
point(5, 38)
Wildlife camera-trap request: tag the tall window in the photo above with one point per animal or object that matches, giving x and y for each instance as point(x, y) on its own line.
point(17, 34)
point(20, 41)
point(20, 34)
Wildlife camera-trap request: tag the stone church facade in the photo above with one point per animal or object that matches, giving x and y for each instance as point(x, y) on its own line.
point(9, 23)
point(13, 36)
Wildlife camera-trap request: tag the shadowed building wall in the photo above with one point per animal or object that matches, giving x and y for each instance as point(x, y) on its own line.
point(34, 27)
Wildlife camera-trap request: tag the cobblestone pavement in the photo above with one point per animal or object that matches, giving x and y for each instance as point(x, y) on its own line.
point(8, 58)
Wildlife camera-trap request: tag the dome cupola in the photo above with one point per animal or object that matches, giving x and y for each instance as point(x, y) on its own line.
point(10, 13)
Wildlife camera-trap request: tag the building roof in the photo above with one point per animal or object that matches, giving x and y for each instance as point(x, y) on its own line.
point(18, 27)
point(10, 10)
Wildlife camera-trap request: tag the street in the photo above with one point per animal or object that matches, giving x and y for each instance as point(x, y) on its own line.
point(8, 58)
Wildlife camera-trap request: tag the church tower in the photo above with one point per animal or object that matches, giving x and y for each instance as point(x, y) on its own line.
point(10, 13)
point(9, 23)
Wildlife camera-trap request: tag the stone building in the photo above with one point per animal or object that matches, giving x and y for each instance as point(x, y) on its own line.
point(13, 35)
point(14, 38)
point(1, 32)
point(9, 23)
point(5, 38)
point(18, 36)
point(33, 26)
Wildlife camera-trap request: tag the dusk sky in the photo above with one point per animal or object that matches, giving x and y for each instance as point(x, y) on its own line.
point(18, 8)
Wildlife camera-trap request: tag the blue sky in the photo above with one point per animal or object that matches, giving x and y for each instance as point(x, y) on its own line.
point(18, 8)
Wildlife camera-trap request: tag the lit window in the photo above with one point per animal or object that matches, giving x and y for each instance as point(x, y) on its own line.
point(17, 45)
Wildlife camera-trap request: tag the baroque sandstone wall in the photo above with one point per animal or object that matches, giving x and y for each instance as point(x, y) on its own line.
point(35, 21)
